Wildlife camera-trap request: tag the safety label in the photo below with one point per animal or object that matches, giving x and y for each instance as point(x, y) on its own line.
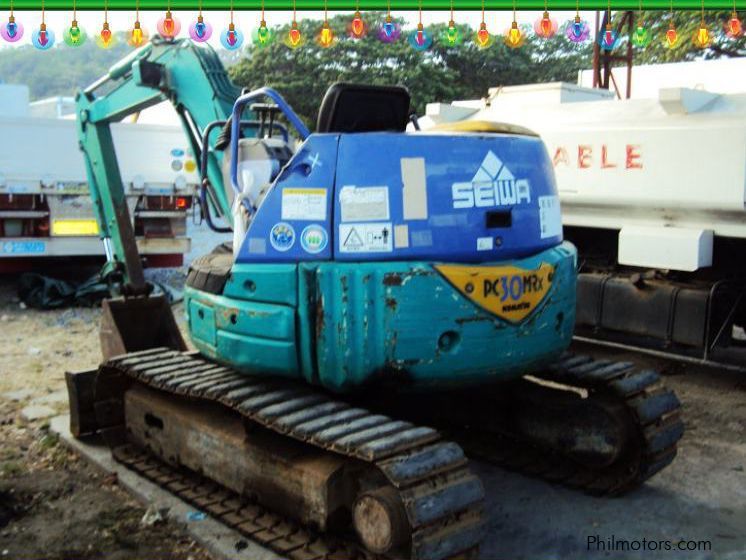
point(365, 238)
point(303, 204)
point(550, 216)
point(364, 204)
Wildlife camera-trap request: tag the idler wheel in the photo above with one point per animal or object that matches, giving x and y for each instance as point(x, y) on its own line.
point(380, 520)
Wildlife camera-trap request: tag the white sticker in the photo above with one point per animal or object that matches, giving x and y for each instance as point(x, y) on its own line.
point(550, 216)
point(304, 204)
point(365, 238)
point(364, 204)
point(401, 236)
point(414, 188)
point(484, 243)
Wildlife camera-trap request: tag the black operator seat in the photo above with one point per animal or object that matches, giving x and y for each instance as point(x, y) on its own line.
point(364, 108)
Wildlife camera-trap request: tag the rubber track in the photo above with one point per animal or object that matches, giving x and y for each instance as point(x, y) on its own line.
point(441, 496)
point(653, 409)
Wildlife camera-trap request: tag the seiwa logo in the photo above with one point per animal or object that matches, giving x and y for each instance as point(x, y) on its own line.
point(493, 185)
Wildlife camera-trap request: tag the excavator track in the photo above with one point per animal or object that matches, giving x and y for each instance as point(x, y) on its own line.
point(651, 411)
point(442, 499)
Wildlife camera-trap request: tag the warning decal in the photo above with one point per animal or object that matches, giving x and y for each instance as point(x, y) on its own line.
point(365, 238)
point(364, 204)
point(303, 204)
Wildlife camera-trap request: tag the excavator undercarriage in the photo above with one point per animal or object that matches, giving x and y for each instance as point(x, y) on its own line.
point(320, 474)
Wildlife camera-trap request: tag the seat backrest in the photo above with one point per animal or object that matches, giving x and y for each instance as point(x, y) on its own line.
point(363, 108)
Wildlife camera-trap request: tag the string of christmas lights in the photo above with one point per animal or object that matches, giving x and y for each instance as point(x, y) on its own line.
point(420, 39)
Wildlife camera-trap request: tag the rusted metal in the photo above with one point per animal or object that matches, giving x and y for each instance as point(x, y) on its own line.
point(306, 483)
point(287, 539)
point(605, 61)
point(130, 324)
point(380, 520)
point(80, 392)
point(441, 499)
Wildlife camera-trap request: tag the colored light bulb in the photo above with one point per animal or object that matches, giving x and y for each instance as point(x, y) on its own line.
point(452, 34)
point(137, 35)
point(74, 35)
point(11, 31)
point(294, 37)
point(420, 39)
point(577, 30)
point(672, 37)
point(514, 38)
point(734, 28)
point(545, 27)
point(169, 26)
point(231, 38)
point(701, 38)
point(608, 38)
point(357, 26)
point(325, 38)
point(42, 38)
point(640, 37)
point(389, 31)
point(105, 35)
point(483, 36)
point(200, 31)
point(262, 33)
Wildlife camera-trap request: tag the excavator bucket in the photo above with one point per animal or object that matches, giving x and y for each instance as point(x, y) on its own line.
point(138, 323)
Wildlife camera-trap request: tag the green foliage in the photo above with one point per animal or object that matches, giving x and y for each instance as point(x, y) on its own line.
point(442, 73)
point(60, 70)
point(687, 24)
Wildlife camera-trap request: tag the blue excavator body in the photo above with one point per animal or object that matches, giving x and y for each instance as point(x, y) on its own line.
point(421, 259)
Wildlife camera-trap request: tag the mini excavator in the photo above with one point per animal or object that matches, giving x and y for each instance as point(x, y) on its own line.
point(391, 302)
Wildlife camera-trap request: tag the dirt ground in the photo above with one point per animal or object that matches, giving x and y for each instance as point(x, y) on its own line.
point(52, 503)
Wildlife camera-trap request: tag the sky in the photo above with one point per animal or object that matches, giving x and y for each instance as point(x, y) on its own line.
point(497, 22)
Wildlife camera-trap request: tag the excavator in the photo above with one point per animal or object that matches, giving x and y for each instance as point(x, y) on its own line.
point(391, 303)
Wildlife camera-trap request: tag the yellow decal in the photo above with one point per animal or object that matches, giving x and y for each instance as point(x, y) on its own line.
point(509, 292)
point(74, 227)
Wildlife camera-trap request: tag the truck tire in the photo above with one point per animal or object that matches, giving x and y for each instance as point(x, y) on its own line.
point(210, 272)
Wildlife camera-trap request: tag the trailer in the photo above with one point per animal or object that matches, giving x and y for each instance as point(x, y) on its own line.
point(652, 193)
point(46, 210)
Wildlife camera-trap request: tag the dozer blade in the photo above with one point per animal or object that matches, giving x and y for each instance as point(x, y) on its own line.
point(131, 324)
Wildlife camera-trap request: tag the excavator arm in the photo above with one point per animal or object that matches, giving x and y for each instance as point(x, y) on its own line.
point(189, 76)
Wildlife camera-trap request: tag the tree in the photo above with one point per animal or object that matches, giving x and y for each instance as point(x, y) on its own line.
point(687, 24)
point(61, 70)
point(441, 73)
